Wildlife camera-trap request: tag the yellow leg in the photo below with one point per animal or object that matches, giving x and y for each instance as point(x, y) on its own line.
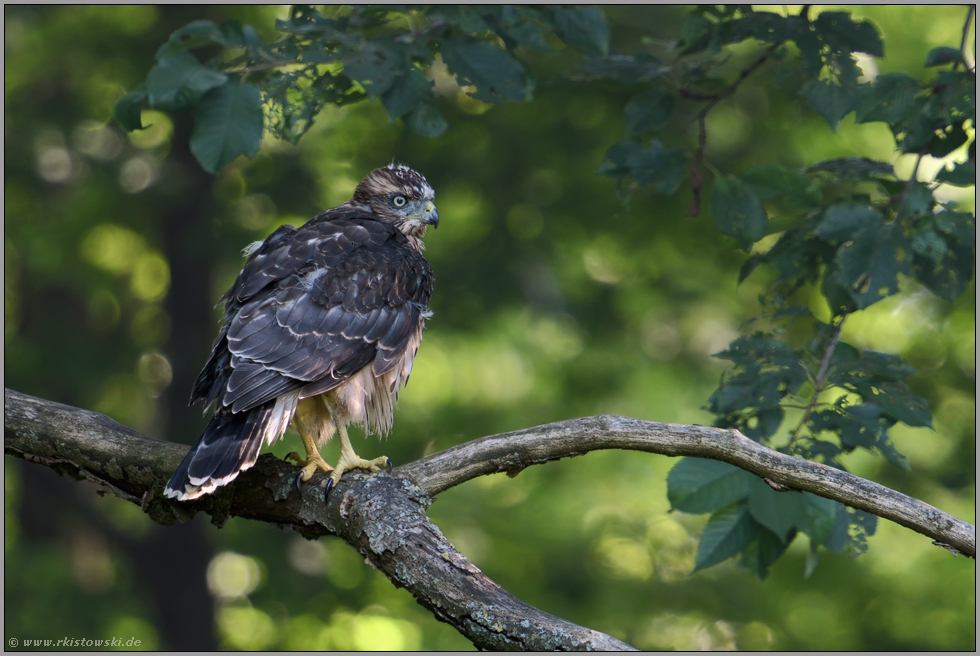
point(311, 462)
point(350, 460)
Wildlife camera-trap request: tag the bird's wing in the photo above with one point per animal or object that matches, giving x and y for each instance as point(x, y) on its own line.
point(315, 306)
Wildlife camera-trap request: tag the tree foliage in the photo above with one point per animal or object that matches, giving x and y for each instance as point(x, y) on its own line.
point(846, 227)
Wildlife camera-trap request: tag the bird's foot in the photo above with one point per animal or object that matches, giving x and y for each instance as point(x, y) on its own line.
point(351, 460)
point(309, 466)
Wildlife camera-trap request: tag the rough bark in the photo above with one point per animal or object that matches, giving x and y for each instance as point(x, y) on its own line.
point(383, 516)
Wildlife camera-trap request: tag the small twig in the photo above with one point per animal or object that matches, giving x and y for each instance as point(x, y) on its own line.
point(818, 382)
point(741, 78)
point(694, 95)
point(700, 119)
point(712, 101)
point(695, 173)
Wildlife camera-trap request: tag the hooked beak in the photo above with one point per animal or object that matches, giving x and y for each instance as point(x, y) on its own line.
point(431, 216)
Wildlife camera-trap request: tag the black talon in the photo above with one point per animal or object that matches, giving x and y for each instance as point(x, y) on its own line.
point(299, 482)
point(327, 489)
point(388, 462)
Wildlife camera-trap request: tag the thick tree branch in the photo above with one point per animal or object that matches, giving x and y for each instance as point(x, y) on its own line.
point(383, 516)
point(513, 452)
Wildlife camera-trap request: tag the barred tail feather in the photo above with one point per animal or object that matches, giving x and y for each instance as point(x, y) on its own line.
point(230, 445)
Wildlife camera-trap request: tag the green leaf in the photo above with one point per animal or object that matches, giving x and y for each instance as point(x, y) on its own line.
point(662, 167)
point(818, 516)
point(927, 242)
point(842, 220)
point(128, 110)
point(765, 551)
point(749, 399)
point(958, 91)
point(697, 30)
point(849, 362)
point(810, 45)
point(898, 402)
point(851, 531)
point(949, 278)
point(812, 558)
point(178, 82)
point(496, 75)
point(799, 191)
point(192, 35)
point(798, 259)
point(742, 392)
point(624, 69)
point(961, 226)
point(855, 429)
point(305, 20)
point(854, 168)
point(466, 18)
point(227, 123)
point(737, 211)
point(584, 28)
point(836, 291)
point(877, 377)
point(616, 161)
point(831, 100)
point(251, 37)
point(727, 532)
point(919, 201)
point(522, 26)
point(942, 56)
point(406, 93)
point(946, 140)
point(697, 485)
point(963, 174)
point(779, 512)
point(840, 32)
point(376, 64)
point(426, 120)
point(649, 111)
point(888, 99)
point(879, 251)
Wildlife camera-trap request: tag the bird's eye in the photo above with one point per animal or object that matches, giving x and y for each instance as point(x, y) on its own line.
point(399, 201)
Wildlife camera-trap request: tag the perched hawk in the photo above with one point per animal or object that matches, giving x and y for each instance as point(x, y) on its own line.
point(320, 331)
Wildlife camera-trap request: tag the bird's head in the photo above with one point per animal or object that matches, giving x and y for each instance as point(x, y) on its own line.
point(401, 197)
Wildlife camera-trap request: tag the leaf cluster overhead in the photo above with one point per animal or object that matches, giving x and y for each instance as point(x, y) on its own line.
point(842, 234)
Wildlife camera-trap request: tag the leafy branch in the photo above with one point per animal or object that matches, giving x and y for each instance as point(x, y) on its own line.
point(702, 115)
point(846, 231)
point(818, 382)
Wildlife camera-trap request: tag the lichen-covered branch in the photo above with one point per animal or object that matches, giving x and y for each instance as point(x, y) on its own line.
point(512, 452)
point(382, 516)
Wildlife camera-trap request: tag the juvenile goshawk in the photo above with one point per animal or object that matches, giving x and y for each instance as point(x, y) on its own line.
point(320, 331)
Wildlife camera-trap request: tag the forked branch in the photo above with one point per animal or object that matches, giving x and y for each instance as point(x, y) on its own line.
point(383, 516)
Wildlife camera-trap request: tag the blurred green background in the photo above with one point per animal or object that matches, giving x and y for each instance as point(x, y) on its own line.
point(552, 301)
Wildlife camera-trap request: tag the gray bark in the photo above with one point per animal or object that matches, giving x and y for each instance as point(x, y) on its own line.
point(383, 515)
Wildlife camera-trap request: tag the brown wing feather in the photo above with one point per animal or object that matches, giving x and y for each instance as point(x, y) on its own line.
point(315, 305)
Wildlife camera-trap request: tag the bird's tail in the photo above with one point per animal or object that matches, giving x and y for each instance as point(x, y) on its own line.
point(230, 445)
